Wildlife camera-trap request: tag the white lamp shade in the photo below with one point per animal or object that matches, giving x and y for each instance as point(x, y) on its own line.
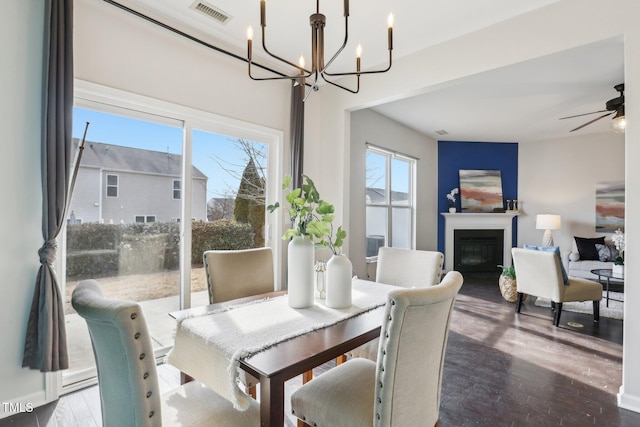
point(548, 222)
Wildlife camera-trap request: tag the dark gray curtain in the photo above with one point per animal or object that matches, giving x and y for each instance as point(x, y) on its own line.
point(297, 133)
point(46, 341)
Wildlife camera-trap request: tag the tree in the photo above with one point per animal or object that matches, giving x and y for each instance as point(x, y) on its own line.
point(249, 204)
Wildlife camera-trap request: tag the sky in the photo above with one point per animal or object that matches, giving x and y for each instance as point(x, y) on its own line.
point(208, 149)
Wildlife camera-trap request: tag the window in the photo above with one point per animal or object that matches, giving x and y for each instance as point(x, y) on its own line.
point(176, 189)
point(112, 185)
point(390, 200)
point(145, 218)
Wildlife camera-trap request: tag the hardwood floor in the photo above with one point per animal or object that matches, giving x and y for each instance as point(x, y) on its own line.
point(501, 369)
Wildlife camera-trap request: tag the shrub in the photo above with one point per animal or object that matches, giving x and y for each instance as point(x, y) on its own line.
point(223, 234)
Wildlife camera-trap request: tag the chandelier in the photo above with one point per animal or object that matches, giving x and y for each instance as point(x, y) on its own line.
point(310, 77)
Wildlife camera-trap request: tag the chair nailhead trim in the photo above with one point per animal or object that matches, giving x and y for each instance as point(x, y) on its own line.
point(134, 315)
point(378, 416)
point(149, 394)
point(137, 335)
point(142, 356)
point(393, 302)
point(380, 384)
point(151, 414)
point(146, 375)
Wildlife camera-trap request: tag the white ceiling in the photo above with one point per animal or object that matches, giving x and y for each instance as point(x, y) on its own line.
point(518, 103)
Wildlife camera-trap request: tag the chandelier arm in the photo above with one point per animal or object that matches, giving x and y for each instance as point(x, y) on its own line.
point(264, 46)
point(302, 77)
point(357, 73)
point(344, 44)
point(340, 86)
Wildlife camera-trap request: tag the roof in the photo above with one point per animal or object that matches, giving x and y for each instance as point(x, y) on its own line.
point(377, 195)
point(119, 158)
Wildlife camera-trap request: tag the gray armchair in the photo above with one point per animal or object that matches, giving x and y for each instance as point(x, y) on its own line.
point(539, 274)
point(403, 388)
point(127, 378)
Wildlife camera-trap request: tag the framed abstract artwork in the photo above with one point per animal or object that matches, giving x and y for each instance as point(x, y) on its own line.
point(609, 206)
point(481, 191)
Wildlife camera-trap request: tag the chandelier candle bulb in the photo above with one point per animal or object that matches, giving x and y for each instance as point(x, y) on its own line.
point(390, 30)
point(249, 41)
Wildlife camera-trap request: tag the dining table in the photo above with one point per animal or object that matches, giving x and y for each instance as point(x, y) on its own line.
point(271, 341)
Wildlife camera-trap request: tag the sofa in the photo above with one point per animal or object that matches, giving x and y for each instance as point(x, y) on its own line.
point(586, 256)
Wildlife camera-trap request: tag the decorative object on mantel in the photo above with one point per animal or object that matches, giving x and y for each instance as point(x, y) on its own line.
point(311, 218)
point(547, 223)
point(508, 284)
point(481, 190)
point(508, 205)
point(618, 264)
point(318, 65)
point(610, 206)
point(451, 197)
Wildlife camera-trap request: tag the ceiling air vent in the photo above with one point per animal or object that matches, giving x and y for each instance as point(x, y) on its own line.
point(442, 132)
point(211, 11)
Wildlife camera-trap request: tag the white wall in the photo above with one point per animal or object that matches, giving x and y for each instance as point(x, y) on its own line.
point(559, 177)
point(369, 126)
point(21, 217)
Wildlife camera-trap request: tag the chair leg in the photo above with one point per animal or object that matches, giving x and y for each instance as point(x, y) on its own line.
point(557, 313)
point(251, 391)
point(341, 359)
point(518, 302)
point(596, 311)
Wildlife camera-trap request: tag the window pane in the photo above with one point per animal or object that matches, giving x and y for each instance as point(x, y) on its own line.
point(129, 244)
point(400, 180)
point(376, 229)
point(376, 178)
point(401, 228)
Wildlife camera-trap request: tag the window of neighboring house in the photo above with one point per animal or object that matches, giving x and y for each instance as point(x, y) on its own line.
point(390, 200)
point(176, 189)
point(145, 218)
point(112, 185)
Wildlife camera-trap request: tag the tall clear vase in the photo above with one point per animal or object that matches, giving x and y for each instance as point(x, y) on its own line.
point(300, 261)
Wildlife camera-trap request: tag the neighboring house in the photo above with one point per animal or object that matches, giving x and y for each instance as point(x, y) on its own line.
point(119, 184)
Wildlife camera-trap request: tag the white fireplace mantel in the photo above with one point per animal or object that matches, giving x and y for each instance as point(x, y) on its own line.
point(477, 221)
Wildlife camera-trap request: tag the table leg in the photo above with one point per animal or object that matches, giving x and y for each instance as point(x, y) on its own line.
point(271, 402)
point(607, 292)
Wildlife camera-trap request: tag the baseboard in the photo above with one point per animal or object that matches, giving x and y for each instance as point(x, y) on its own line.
point(628, 401)
point(22, 404)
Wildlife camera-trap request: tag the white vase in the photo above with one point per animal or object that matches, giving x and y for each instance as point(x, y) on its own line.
point(339, 270)
point(452, 210)
point(300, 272)
point(618, 270)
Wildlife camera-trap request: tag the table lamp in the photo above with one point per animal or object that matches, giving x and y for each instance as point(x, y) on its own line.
point(547, 223)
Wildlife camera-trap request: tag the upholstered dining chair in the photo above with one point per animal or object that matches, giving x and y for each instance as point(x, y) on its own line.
point(540, 274)
point(127, 377)
point(403, 387)
point(238, 273)
point(406, 268)
point(235, 274)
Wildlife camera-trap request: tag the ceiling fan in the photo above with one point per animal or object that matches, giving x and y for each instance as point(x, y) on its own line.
point(615, 105)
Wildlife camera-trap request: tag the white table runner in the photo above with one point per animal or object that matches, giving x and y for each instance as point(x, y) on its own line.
point(208, 347)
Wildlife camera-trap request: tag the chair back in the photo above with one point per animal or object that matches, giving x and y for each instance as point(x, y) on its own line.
point(238, 274)
point(538, 273)
point(409, 268)
point(127, 377)
point(413, 341)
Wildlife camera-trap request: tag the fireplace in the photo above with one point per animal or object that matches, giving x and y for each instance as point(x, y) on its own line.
point(500, 221)
point(477, 250)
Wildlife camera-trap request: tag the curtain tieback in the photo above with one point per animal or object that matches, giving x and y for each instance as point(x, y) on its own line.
point(48, 252)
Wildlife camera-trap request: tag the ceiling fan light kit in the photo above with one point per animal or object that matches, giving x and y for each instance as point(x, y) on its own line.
point(318, 65)
point(615, 105)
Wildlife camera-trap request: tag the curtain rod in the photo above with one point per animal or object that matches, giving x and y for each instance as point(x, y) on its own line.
point(395, 153)
point(190, 37)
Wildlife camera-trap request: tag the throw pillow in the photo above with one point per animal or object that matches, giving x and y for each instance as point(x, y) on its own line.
point(607, 252)
point(587, 247)
point(574, 256)
point(556, 250)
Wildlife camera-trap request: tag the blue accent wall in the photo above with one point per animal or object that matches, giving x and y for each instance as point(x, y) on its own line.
point(456, 155)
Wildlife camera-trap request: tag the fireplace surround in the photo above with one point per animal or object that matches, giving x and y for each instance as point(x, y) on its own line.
point(477, 221)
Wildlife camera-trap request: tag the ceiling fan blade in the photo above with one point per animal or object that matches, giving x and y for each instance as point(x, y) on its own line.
point(594, 120)
point(585, 114)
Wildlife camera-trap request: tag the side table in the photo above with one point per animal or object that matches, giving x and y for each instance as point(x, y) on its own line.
point(608, 274)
